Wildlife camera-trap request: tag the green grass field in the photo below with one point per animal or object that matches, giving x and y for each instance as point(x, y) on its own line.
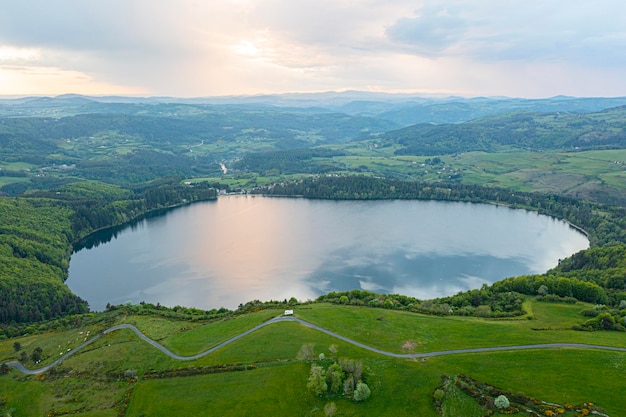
point(589, 174)
point(92, 383)
point(390, 330)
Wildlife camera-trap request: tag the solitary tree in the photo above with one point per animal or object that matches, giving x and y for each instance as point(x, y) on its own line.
point(17, 346)
point(501, 402)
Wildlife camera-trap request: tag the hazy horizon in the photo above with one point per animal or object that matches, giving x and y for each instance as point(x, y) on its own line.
point(398, 96)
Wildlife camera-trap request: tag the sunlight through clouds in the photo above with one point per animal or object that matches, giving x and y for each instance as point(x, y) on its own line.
point(527, 48)
point(247, 48)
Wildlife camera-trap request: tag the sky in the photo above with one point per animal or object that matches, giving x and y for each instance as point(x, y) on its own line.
point(200, 48)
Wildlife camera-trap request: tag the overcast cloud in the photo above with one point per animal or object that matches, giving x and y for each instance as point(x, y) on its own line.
point(221, 47)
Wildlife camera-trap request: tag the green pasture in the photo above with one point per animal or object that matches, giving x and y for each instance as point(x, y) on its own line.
point(550, 171)
point(542, 171)
point(16, 166)
point(190, 342)
point(92, 382)
point(562, 376)
point(392, 330)
point(23, 398)
point(246, 181)
point(12, 180)
point(458, 403)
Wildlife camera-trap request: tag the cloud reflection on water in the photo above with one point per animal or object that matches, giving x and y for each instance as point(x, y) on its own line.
point(238, 249)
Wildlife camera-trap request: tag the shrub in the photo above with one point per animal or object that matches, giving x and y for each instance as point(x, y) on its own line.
point(438, 394)
point(330, 409)
point(501, 402)
point(362, 392)
point(306, 352)
point(317, 381)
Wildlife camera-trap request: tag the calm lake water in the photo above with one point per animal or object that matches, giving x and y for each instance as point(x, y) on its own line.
point(241, 248)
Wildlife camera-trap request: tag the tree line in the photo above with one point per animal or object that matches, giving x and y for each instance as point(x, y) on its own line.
point(604, 224)
point(534, 131)
point(38, 232)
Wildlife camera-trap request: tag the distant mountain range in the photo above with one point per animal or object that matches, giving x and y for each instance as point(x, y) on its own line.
point(401, 109)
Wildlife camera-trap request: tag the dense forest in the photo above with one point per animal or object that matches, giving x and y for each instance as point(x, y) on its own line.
point(38, 231)
point(293, 161)
point(533, 131)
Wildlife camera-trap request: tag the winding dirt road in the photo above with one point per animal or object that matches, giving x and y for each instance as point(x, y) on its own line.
point(22, 369)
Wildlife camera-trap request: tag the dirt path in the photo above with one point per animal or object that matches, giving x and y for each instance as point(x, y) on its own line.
point(163, 349)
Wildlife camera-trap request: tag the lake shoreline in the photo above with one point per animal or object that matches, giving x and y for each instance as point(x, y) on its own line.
point(315, 245)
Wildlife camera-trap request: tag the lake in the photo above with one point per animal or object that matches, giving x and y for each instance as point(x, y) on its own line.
point(241, 248)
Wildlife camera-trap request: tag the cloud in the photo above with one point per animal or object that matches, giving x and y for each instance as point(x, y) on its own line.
point(9, 54)
point(435, 29)
point(577, 32)
point(192, 48)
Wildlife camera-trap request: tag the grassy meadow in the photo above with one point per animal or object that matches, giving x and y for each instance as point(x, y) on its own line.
point(597, 174)
point(100, 380)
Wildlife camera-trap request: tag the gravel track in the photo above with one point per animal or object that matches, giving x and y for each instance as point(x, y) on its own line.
point(22, 369)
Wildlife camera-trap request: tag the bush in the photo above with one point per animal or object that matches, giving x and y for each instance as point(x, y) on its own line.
point(501, 402)
point(317, 381)
point(438, 394)
point(361, 393)
point(330, 409)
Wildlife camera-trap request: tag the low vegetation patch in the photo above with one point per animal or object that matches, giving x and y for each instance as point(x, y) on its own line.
point(487, 400)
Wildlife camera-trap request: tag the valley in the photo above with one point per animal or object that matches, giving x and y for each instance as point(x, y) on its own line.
point(71, 166)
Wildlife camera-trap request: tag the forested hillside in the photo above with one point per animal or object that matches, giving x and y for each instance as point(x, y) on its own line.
point(37, 234)
point(126, 149)
point(532, 131)
point(34, 256)
point(145, 156)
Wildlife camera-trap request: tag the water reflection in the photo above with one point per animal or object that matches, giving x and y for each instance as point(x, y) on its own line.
point(424, 276)
point(243, 248)
point(105, 236)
